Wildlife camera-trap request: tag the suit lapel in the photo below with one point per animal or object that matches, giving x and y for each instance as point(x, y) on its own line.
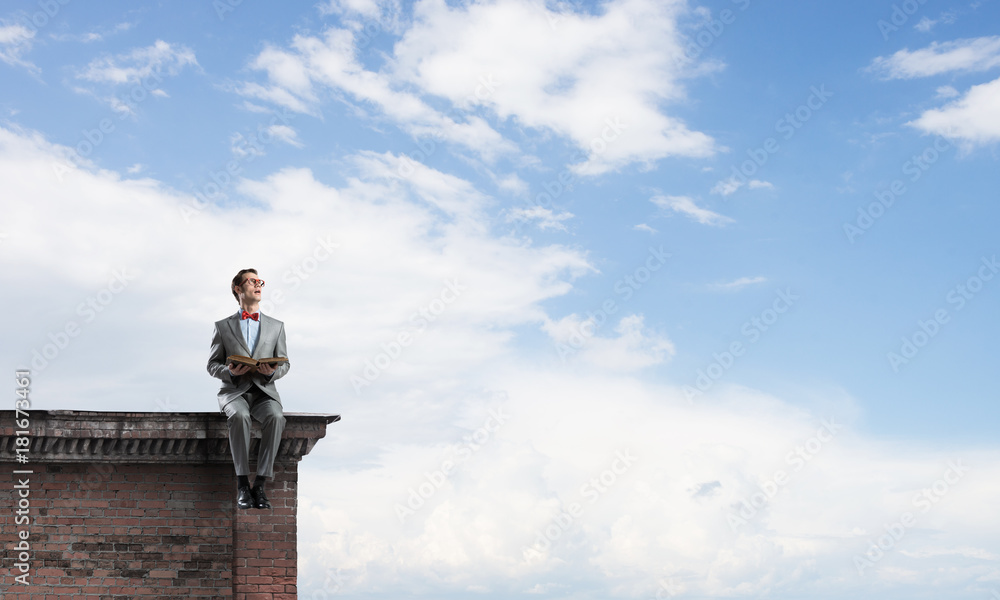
point(266, 328)
point(234, 326)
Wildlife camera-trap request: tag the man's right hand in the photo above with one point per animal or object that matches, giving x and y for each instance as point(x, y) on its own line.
point(237, 370)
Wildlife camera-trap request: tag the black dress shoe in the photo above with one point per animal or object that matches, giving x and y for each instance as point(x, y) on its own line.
point(244, 498)
point(259, 499)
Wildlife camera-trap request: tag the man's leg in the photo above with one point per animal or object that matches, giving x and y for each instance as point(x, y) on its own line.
point(272, 422)
point(238, 415)
point(238, 422)
point(268, 413)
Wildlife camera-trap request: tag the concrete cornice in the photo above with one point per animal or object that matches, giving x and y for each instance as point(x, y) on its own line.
point(146, 437)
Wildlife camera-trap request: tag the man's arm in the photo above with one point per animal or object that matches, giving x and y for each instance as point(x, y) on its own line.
point(280, 350)
point(217, 363)
point(273, 373)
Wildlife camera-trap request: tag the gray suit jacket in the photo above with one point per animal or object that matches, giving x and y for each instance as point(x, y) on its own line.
point(228, 340)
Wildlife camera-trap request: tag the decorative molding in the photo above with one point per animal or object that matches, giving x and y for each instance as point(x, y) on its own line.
point(147, 437)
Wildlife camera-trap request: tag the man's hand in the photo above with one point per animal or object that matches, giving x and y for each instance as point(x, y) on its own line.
point(266, 369)
point(237, 370)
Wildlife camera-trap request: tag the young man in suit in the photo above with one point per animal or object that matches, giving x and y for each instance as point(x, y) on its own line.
point(247, 392)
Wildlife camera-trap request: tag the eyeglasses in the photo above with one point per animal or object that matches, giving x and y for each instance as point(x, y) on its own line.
point(254, 282)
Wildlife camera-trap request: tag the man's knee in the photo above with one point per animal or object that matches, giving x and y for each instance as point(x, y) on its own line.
point(239, 414)
point(275, 418)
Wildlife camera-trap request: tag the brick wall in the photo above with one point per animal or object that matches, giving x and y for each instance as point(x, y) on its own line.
point(264, 553)
point(122, 514)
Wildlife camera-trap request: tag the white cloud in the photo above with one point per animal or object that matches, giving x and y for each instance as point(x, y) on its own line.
point(577, 340)
point(976, 54)
point(14, 34)
point(599, 80)
point(156, 60)
point(285, 134)
point(398, 239)
point(737, 284)
point(254, 108)
point(146, 67)
point(449, 195)
point(965, 552)
point(566, 426)
point(277, 95)
point(632, 349)
point(384, 13)
point(925, 24)
point(644, 227)
point(946, 91)
point(83, 38)
point(513, 184)
point(973, 118)
point(329, 62)
point(544, 217)
point(15, 42)
point(950, 17)
point(686, 206)
point(727, 187)
point(242, 148)
point(92, 36)
point(411, 233)
point(732, 184)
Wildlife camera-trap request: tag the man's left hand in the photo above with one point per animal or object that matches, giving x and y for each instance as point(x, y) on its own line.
point(266, 369)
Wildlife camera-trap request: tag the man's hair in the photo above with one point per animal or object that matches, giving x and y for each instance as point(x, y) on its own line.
point(238, 281)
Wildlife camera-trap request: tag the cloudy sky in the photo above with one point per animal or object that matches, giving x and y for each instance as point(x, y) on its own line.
point(625, 299)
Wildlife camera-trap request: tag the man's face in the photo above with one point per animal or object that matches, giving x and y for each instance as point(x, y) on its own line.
point(251, 287)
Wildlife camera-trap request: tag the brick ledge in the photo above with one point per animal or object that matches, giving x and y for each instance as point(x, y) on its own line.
point(148, 437)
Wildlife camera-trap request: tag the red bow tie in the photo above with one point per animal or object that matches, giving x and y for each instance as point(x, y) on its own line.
point(254, 316)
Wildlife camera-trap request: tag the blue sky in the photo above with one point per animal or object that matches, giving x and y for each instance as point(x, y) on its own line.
point(645, 226)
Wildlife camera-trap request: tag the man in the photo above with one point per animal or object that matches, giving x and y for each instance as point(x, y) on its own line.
point(246, 391)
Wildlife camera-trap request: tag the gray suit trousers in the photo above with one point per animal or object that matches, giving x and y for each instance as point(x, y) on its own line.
point(266, 411)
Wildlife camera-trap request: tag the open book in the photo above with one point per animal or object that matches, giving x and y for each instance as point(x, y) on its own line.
point(253, 362)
